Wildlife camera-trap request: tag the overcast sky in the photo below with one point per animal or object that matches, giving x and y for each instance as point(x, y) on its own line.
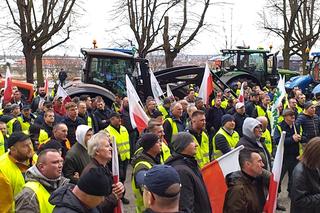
point(98, 22)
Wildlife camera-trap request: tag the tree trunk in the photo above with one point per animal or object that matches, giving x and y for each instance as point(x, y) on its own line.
point(40, 80)
point(304, 57)
point(29, 57)
point(170, 56)
point(286, 57)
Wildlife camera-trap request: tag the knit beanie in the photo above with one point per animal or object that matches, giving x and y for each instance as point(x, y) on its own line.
point(95, 182)
point(148, 140)
point(226, 118)
point(181, 141)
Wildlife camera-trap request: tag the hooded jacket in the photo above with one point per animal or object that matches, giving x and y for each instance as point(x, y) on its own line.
point(246, 194)
point(66, 202)
point(77, 157)
point(249, 140)
point(26, 200)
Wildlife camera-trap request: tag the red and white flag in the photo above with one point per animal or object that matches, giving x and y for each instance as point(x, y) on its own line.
point(206, 87)
point(115, 172)
point(7, 87)
point(169, 92)
point(214, 177)
point(46, 84)
point(241, 95)
point(271, 202)
point(156, 89)
point(138, 117)
point(62, 93)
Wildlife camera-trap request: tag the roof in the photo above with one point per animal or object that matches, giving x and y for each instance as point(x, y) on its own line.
point(244, 51)
point(105, 52)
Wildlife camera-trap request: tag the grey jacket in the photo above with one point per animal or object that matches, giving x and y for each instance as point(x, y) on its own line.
point(27, 201)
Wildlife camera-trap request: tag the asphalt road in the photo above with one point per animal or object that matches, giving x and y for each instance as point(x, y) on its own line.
point(283, 197)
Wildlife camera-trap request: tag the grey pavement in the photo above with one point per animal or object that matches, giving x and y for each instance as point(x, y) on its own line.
point(283, 197)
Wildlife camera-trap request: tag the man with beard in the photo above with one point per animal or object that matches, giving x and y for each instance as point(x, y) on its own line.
point(39, 98)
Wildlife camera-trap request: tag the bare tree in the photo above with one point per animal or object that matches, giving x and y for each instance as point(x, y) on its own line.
point(41, 26)
point(182, 34)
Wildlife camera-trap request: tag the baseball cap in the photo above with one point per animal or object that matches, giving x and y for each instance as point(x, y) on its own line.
point(16, 137)
point(160, 178)
point(239, 105)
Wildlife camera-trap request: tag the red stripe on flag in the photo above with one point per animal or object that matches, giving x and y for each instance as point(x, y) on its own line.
point(117, 209)
point(215, 184)
point(209, 87)
point(141, 124)
point(271, 203)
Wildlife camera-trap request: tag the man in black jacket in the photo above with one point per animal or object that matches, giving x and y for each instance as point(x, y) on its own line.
point(239, 116)
point(194, 196)
point(102, 114)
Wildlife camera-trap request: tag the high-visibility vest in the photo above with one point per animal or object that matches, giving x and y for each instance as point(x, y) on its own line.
point(202, 154)
point(2, 147)
point(10, 125)
point(137, 191)
point(42, 196)
point(299, 109)
point(163, 110)
point(174, 127)
point(300, 133)
point(122, 140)
point(24, 124)
point(115, 107)
point(268, 141)
point(13, 174)
point(262, 112)
point(89, 121)
point(231, 139)
point(165, 152)
point(224, 104)
point(43, 136)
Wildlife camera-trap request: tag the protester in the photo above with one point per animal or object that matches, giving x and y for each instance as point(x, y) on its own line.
point(266, 135)
point(77, 157)
point(239, 117)
point(213, 117)
point(247, 189)
point(39, 98)
point(13, 166)
point(84, 115)
point(305, 192)
point(47, 126)
point(161, 192)
point(41, 180)
point(100, 151)
point(26, 118)
point(165, 108)
point(193, 195)
point(13, 125)
point(102, 114)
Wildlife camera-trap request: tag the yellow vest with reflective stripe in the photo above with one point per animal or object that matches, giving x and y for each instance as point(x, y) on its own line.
point(261, 112)
point(89, 121)
point(165, 152)
point(2, 148)
point(268, 141)
point(122, 140)
point(163, 111)
point(299, 109)
point(42, 196)
point(173, 126)
point(136, 191)
point(13, 174)
point(224, 104)
point(231, 139)
point(43, 136)
point(10, 125)
point(24, 125)
point(202, 154)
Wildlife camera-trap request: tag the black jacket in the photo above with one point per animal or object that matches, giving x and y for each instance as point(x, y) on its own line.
point(305, 191)
point(66, 202)
point(213, 119)
point(239, 119)
point(102, 117)
point(310, 126)
point(76, 160)
point(72, 127)
point(193, 196)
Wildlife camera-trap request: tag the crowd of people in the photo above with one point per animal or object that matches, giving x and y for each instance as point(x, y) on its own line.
point(56, 156)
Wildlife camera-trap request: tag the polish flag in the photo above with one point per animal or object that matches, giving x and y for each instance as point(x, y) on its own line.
point(241, 96)
point(156, 89)
point(138, 117)
point(214, 177)
point(115, 172)
point(271, 203)
point(169, 92)
point(7, 87)
point(206, 87)
point(62, 93)
point(46, 84)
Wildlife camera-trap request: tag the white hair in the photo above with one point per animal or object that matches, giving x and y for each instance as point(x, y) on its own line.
point(95, 142)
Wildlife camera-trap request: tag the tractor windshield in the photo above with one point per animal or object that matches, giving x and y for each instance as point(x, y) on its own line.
point(110, 73)
point(252, 62)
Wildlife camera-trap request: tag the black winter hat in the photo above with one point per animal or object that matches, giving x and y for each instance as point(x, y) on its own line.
point(181, 141)
point(308, 104)
point(225, 118)
point(148, 140)
point(17, 137)
point(95, 182)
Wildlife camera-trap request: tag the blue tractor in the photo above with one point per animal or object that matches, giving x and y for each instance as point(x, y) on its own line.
point(307, 83)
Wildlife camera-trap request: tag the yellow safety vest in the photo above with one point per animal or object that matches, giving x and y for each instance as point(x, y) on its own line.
point(299, 109)
point(224, 104)
point(43, 136)
point(115, 107)
point(163, 111)
point(24, 124)
point(89, 121)
point(165, 152)
point(2, 147)
point(202, 154)
point(13, 174)
point(268, 141)
point(42, 196)
point(173, 126)
point(231, 139)
point(10, 125)
point(137, 191)
point(122, 140)
point(261, 112)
